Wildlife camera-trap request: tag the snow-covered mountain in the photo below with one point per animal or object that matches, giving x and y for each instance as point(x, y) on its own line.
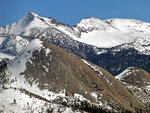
point(138, 82)
point(101, 34)
point(44, 77)
point(91, 39)
point(92, 31)
point(32, 22)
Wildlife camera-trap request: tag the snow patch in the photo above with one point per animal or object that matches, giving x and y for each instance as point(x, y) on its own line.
point(78, 96)
point(47, 51)
point(3, 56)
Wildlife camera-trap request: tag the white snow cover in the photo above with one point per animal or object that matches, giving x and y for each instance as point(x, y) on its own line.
point(148, 88)
point(142, 44)
point(94, 95)
point(24, 103)
point(105, 39)
point(93, 23)
point(78, 96)
point(2, 56)
point(47, 50)
point(129, 25)
point(142, 93)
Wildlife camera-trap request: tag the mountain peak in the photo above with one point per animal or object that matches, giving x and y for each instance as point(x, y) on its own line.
point(91, 23)
point(33, 14)
point(30, 17)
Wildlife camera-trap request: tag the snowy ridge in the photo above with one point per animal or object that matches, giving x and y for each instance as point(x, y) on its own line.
point(68, 30)
point(93, 67)
point(125, 73)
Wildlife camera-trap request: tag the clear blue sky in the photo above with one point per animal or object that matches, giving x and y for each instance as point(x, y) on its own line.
point(72, 11)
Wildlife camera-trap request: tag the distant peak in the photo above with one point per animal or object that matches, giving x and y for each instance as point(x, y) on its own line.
point(30, 17)
point(92, 23)
point(90, 19)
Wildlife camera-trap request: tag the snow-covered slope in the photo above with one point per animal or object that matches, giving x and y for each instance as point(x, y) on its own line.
point(110, 33)
point(103, 39)
point(142, 44)
point(130, 25)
